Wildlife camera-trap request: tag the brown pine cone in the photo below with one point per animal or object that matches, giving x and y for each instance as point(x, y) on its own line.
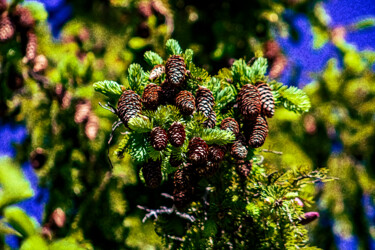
point(40, 64)
point(176, 134)
point(38, 158)
point(243, 168)
point(258, 132)
point(169, 93)
point(266, 99)
point(3, 6)
point(185, 102)
point(248, 101)
point(152, 173)
point(230, 124)
point(6, 29)
point(175, 70)
point(83, 110)
point(92, 126)
point(208, 169)
point(198, 151)
point(22, 18)
point(158, 138)
point(205, 105)
point(216, 153)
point(31, 46)
point(152, 95)
point(156, 72)
point(129, 105)
point(238, 150)
point(184, 178)
point(181, 199)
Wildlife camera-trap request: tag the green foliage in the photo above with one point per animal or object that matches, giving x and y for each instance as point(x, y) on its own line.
point(152, 58)
point(243, 74)
point(13, 184)
point(291, 98)
point(136, 77)
point(217, 136)
point(19, 220)
point(172, 47)
point(34, 242)
point(109, 88)
point(140, 124)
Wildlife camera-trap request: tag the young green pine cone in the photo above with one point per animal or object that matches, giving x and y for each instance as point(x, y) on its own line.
point(176, 134)
point(248, 101)
point(185, 102)
point(198, 151)
point(128, 106)
point(175, 70)
point(230, 124)
point(216, 153)
point(152, 173)
point(169, 93)
point(6, 29)
point(158, 138)
point(238, 150)
point(258, 132)
point(266, 99)
point(151, 97)
point(156, 72)
point(243, 168)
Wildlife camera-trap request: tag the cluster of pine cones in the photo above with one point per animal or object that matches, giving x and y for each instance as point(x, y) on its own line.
point(254, 104)
point(18, 20)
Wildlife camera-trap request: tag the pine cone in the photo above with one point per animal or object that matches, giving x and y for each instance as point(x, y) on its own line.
point(3, 6)
point(174, 161)
point(92, 126)
point(40, 64)
point(22, 18)
point(175, 70)
point(185, 102)
point(184, 178)
point(243, 168)
point(152, 96)
point(208, 169)
point(248, 101)
point(83, 109)
point(309, 217)
point(15, 79)
point(152, 173)
point(259, 132)
point(128, 106)
point(266, 99)
point(205, 105)
point(144, 9)
point(176, 134)
point(158, 138)
point(31, 46)
point(38, 158)
point(198, 151)
point(238, 150)
point(6, 29)
point(216, 153)
point(230, 124)
point(211, 120)
point(169, 93)
point(181, 199)
point(156, 72)
point(278, 66)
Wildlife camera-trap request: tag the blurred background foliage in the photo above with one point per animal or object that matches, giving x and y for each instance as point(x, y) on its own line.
point(87, 41)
